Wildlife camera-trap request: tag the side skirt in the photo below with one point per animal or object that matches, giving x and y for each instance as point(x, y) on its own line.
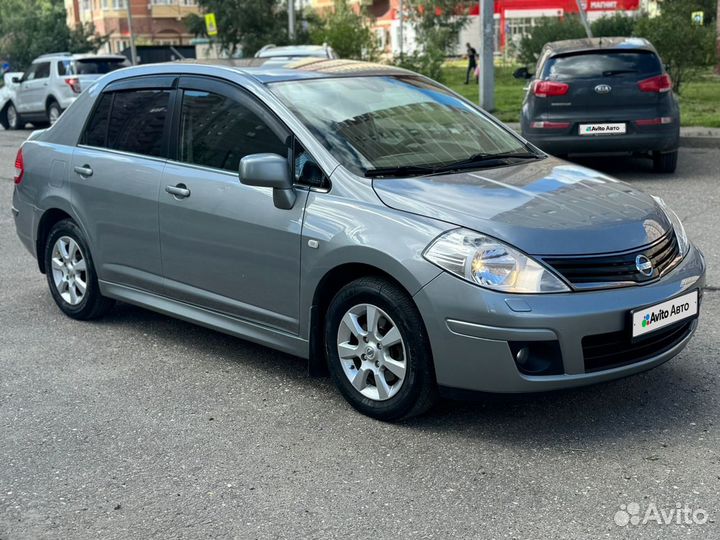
point(256, 333)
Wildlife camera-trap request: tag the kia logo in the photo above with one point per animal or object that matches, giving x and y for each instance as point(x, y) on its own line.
point(603, 88)
point(644, 265)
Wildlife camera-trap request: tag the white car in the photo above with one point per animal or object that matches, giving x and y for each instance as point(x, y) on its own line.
point(51, 84)
point(7, 92)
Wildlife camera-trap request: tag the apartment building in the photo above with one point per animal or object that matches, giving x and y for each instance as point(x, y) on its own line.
point(155, 22)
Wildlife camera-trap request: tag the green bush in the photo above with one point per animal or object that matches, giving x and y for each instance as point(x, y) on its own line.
point(347, 32)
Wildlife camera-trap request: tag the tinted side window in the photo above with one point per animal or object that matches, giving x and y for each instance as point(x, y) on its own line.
point(43, 70)
point(97, 127)
point(137, 121)
point(61, 67)
point(30, 73)
point(216, 131)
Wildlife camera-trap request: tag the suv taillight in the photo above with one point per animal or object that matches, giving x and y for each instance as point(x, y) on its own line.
point(661, 83)
point(19, 167)
point(74, 84)
point(549, 88)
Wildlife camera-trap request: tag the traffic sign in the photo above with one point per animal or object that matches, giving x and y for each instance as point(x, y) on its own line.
point(211, 24)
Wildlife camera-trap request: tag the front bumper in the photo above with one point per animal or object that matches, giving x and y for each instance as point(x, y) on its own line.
point(472, 329)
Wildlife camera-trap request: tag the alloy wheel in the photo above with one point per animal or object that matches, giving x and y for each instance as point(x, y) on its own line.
point(69, 270)
point(12, 118)
point(372, 352)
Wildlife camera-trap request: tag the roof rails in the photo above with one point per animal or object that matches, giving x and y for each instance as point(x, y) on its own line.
point(55, 54)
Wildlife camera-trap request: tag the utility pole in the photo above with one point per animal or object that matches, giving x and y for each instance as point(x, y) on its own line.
point(133, 51)
point(401, 16)
point(291, 20)
point(487, 50)
point(583, 18)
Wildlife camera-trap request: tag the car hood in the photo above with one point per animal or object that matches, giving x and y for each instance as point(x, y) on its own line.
point(546, 207)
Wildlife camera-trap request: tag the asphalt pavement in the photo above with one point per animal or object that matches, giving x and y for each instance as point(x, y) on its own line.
point(141, 426)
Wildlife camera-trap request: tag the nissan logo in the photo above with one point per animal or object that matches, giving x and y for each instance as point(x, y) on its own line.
point(644, 265)
point(603, 88)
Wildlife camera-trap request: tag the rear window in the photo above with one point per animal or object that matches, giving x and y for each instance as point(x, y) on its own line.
point(91, 66)
point(597, 65)
point(131, 121)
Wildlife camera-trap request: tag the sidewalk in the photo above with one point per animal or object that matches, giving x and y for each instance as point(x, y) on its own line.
point(695, 137)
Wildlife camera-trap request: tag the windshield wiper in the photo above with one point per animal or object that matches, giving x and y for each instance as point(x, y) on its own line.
point(611, 72)
point(483, 159)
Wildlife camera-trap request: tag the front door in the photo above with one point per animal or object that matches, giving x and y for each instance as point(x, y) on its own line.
point(225, 246)
point(31, 91)
point(116, 175)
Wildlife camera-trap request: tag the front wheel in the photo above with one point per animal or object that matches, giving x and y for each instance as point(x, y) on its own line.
point(665, 162)
point(12, 116)
point(378, 351)
point(71, 274)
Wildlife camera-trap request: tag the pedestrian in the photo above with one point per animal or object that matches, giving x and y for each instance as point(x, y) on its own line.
point(472, 62)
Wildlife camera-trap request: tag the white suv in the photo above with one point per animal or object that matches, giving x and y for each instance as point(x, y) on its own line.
point(51, 84)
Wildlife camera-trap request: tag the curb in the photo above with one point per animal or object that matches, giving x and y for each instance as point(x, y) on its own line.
point(690, 137)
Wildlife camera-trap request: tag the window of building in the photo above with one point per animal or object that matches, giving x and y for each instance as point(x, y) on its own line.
point(217, 132)
point(119, 4)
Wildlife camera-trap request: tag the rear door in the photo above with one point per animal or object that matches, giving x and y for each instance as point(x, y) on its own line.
point(602, 87)
point(225, 246)
point(32, 90)
point(116, 176)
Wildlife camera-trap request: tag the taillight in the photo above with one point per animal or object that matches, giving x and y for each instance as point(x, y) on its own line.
point(550, 88)
point(74, 84)
point(660, 121)
point(19, 167)
point(549, 125)
point(660, 84)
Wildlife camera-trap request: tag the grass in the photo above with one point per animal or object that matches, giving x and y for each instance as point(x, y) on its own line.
point(699, 100)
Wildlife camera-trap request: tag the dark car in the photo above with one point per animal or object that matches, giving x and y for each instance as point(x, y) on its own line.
point(602, 95)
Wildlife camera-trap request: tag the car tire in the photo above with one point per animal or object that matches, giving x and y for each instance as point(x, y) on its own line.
point(404, 363)
point(665, 162)
point(71, 274)
point(12, 117)
point(53, 112)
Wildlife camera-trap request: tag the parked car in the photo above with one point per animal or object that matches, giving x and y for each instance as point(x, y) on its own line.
point(7, 93)
point(51, 84)
point(602, 95)
point(296, 51)
point(360, 216)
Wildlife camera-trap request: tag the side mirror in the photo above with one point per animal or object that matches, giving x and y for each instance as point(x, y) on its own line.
point(522, 73)
point(16, 80)
point(272, 171)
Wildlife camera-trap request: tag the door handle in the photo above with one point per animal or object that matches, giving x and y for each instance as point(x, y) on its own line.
point(179, 192)
point(84, 171)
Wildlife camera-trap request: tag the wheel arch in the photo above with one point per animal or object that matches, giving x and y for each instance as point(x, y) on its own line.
point(51, 99)
point(49, 218)
point(328, 286)
point(3, 113)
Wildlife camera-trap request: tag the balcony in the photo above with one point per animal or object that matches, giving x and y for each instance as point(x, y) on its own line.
point(175, 9)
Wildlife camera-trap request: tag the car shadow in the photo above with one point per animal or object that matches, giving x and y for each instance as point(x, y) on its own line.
point(668, 397)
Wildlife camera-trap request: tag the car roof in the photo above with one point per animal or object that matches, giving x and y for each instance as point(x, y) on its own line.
point(266, 70)
point(569, 46)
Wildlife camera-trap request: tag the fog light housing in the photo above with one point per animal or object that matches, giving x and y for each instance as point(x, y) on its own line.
point(537, 357)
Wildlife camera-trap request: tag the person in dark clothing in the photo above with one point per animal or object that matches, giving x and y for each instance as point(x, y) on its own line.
point(472, 63)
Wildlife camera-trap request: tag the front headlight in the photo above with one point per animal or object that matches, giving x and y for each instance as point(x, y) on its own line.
point(680, 234)
point(490, 263)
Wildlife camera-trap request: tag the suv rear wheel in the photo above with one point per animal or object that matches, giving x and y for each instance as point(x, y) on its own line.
point(53, 112)
point(378, 351)
point(71, 274)
point(665, 162)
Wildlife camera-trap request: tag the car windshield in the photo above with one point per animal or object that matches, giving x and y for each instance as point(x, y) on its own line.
point(596, 65)
point(91, 66)
point(392, 122)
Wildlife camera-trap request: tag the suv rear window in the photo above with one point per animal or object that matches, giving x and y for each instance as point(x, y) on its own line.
point(597, 65)
point(91, 66)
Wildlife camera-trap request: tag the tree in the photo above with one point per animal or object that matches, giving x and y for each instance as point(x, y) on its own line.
point(30, 28)
point(347, 32)
point(684, 46)
point(437, 28)
point(243, 25)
